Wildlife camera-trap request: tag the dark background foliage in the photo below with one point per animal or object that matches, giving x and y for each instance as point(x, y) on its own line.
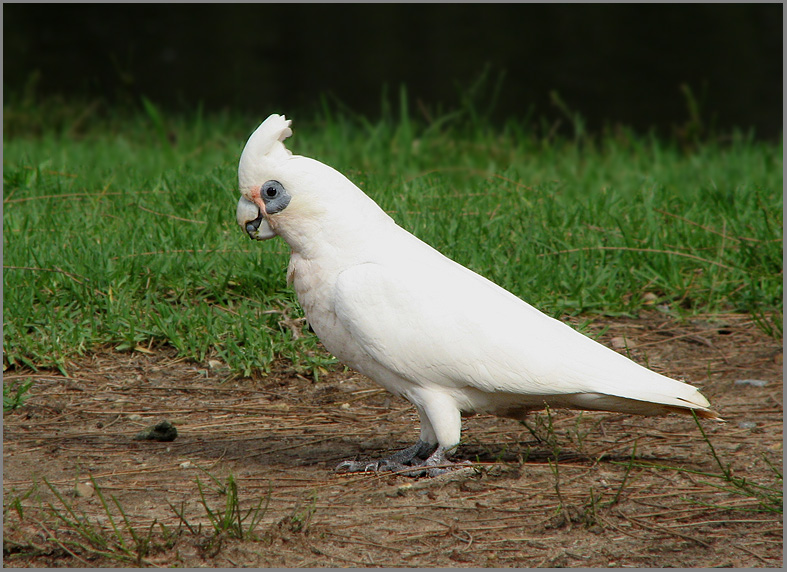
point(614, 64)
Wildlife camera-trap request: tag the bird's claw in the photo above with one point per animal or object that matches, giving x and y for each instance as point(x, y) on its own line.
point(354, 467)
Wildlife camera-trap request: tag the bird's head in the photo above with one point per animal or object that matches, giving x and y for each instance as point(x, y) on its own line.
point(262, 194)
point(294, 196)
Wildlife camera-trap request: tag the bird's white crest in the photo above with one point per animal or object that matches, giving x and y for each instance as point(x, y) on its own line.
point(265, 146)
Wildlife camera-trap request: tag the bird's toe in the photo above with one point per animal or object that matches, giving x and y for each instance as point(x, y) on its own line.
point(373, 467)
point(350, 467)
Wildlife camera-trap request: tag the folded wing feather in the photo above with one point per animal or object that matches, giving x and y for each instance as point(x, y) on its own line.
point(434, 322)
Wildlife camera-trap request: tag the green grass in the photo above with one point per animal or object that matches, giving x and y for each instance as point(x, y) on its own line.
point(765, 496)
point(15, 394)
point(119, 229)
point(111, 535)
point(123, 542)
point(229, 520)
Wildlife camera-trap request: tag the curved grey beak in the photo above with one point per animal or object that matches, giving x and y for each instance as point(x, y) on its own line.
point(250, 218)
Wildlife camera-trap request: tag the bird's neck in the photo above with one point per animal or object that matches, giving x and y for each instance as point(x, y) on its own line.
point(339, 236)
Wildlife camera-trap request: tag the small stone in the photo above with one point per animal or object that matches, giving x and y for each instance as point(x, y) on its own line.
point(620, 342)
point(399, 491)
point(747, 425)
point(345, 406)
point(649, 298)
point(186, 465)
point(215, 364)
point(161, 431)
point(84, 490)
point(135, 417)
point(752, 382)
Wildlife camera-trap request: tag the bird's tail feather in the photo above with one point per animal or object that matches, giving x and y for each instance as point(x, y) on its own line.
point(602, 402)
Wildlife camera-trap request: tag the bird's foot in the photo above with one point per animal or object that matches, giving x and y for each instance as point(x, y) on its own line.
point(370, 466)
point(397, 462)
point(408, 462)
point(437, 464)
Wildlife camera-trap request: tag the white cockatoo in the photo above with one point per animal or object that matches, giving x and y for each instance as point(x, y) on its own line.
point(421, 325)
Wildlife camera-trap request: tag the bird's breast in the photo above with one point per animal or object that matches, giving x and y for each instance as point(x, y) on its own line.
point(314, 284)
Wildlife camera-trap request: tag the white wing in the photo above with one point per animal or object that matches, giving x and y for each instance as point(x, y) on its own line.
point(434, 322)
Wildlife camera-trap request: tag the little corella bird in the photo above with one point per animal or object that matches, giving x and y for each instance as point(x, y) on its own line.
point(424, 327)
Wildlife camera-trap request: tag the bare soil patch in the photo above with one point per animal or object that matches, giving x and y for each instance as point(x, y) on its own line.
point(598, 489)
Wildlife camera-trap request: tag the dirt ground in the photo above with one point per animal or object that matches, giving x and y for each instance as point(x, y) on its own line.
point(598, 489)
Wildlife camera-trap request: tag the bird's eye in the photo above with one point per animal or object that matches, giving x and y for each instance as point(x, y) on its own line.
point(275, 196)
